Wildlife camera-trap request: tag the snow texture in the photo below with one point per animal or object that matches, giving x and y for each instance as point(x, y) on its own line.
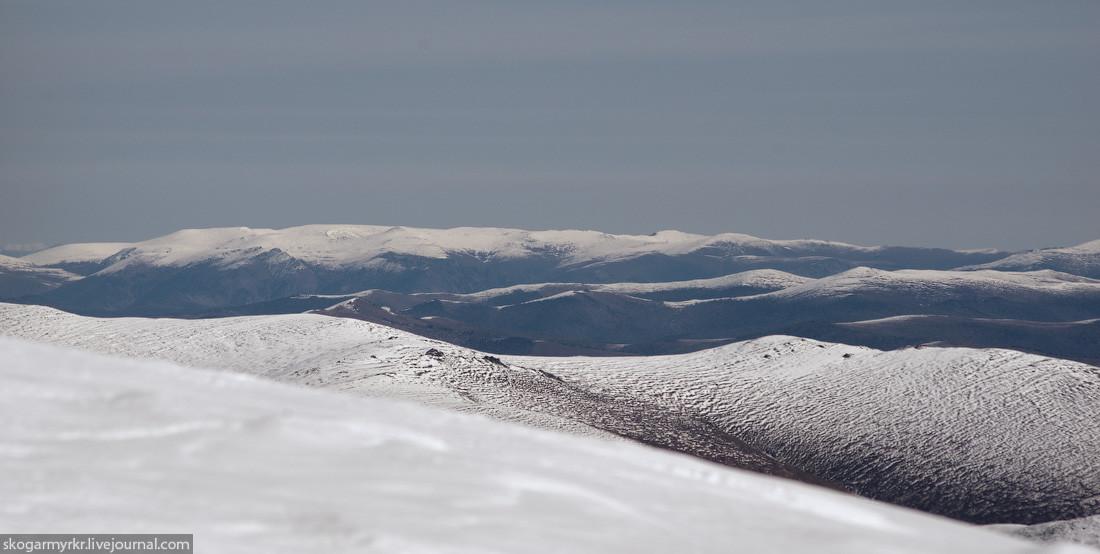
point(109, 445)
point(1084, 530)
point(984, 435)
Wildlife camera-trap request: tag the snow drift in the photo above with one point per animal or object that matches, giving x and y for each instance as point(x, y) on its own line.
point(984, 435)
point(113, 445)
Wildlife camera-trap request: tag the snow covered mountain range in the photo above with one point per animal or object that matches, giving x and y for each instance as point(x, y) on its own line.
point(987, 436)
point(1078, 260)
point(200, 269)
point(508, 291)
point(835, 365)
point(103, 444)
point(633, 318)
point(22, 278)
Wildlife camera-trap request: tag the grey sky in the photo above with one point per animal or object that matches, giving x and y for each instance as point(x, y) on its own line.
point(957, 124)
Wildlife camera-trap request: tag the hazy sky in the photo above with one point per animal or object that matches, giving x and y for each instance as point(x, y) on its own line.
point(958, 124)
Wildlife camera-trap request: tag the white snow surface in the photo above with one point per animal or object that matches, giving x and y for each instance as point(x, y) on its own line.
point(22, 277)
point(762, 278)
point(9, 264)
point(930, 283)
point(759, 278)
point(1082, 257)
point(75, 253)
point(914, 282)
point(1010, 409)
point(947, 418)
point(899, 318)
point(350, 246)
point(111, 445)
point(1085, 530)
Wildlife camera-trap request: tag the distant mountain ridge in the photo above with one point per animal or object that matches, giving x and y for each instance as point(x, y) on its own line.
point(344, 246)
point(1083, 259)
point(200, 269)
point(511, 291)
point(1009, 308)
point(21, 278)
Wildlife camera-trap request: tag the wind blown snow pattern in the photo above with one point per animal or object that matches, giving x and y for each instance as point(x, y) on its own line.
point(109, 445)
point(1085, 530)
point(984, 435)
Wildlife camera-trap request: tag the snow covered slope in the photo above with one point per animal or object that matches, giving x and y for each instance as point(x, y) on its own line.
point(375, 360)
point(81, 258)
point(341, 246)
point(865, 293)
point(981, 435)
point(21, 278)
point(1071, 340)
point(738, 284)
point(924, 285)
point(107, 445)
point(1084, 530)
point(934, 286)
point(635, 317)
point(200, 269)
point(1083, 259)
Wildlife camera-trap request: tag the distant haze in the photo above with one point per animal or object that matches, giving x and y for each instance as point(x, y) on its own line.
point(961, 125)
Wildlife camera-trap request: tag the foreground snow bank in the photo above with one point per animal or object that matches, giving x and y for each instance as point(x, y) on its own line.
point(111, 445)
point(1085, 530)
point(983, 435)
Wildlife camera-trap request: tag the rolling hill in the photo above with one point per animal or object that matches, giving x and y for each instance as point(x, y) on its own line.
point(197, 270)
point(982, 435)
point(101, 444)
